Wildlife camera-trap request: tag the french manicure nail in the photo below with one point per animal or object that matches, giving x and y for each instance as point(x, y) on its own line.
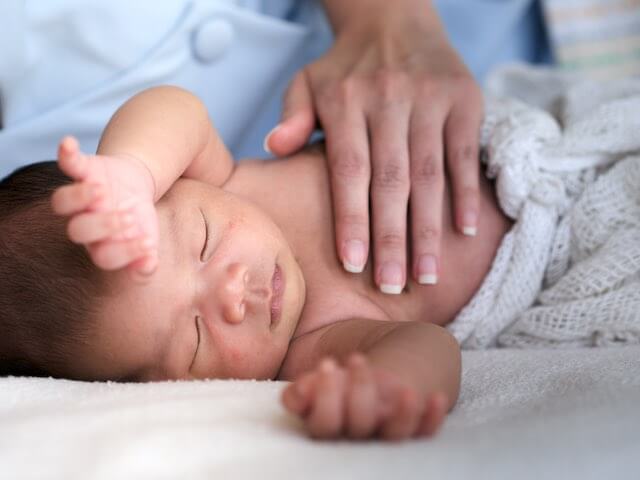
point(469, 224)
point(391, 278)
point(428, 270)
point(265, 144)
point(354, 256)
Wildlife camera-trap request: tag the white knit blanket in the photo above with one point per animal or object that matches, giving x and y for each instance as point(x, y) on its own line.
point(566, 158)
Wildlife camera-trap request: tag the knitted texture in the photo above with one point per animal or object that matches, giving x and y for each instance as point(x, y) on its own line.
point(565, 154)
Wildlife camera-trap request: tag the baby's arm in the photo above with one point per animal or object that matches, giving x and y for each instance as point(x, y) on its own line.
point(391, 379)
point(153, 139)
point(168, 129)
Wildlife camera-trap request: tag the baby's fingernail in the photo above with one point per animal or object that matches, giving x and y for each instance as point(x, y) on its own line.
point(265, 144)
point(148, 267)
point(127, 219)
point(391, 278)
point(146, 243)
point(328, 365)
point(96, 191)
point(428, 270)
point(354, 256)
point(470, 224)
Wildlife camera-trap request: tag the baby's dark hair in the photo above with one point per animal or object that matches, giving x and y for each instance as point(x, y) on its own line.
point(49, 287)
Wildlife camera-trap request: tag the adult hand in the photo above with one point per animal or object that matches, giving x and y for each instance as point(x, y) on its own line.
point(392, 96)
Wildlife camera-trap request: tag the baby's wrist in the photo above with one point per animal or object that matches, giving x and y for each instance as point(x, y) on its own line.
point(145, 173)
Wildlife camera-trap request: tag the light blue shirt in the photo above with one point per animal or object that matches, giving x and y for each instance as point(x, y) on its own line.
point(66, 66)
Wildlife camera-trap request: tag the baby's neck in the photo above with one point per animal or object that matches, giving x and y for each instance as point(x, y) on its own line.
point(295, 193)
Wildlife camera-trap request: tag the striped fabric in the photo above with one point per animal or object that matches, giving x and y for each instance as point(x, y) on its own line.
point(600, 38)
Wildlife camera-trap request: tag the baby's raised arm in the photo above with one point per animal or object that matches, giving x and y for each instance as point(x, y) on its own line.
point(360, 378)
point(156, 137)
point(169, 130)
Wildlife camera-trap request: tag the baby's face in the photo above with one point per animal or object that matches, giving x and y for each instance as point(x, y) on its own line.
point(212, 309)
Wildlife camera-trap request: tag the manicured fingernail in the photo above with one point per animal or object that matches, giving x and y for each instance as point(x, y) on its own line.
point(391, 278)
point(354, 256)
point(428, 270)
point(470, 224)
point(265, 144)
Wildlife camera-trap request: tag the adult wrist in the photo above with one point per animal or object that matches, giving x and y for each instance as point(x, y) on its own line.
point(366, 17)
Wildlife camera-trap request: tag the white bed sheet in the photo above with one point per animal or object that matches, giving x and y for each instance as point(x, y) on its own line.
point(522, 414)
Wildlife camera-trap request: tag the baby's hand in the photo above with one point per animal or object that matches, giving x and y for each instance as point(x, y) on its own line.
point(111, 208)
point(358, 401)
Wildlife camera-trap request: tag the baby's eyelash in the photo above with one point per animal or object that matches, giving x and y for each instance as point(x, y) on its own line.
point(197, 344)
point(206, 236)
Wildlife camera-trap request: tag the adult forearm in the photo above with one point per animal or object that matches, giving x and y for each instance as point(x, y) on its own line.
point(168, 129)
point(426, 356)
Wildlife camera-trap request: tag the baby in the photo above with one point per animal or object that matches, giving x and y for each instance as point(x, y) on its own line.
point(206, 269)
point(184, 265)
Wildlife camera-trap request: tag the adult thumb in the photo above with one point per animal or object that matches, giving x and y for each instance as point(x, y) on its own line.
point(298, 118)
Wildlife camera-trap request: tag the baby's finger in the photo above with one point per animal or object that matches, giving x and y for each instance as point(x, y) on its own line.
point(405, 417)
point(362, 399)
point(75, 198)
point(93, 227)
point(296, 397)
point(70, 160)
point(141, 269)
point(326, 417)
point(434, 414)
point(110, 255)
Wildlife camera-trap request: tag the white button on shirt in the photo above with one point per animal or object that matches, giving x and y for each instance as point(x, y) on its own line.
point(212, 39)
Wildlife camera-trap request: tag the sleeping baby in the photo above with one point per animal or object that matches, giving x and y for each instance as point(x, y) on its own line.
point(168, 261)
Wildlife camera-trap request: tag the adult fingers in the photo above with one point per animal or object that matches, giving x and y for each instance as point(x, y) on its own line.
point(349, 168)
point(427, 190)
point(298, 118)
point(76, 197)
point(462, 138)
point(390, 195)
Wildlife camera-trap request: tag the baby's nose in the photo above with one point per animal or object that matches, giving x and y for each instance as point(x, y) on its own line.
point(233, 290)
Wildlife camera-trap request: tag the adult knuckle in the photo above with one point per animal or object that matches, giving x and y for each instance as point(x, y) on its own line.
point(385, 81)
point(427, 233)
point(350, 165)
point(352, 219)
point(391, 175)
point(464, 154)
point(427, 170)
point(391, 240)
point(343, 90)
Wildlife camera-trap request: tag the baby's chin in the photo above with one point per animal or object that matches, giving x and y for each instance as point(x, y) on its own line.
point(295, 294)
